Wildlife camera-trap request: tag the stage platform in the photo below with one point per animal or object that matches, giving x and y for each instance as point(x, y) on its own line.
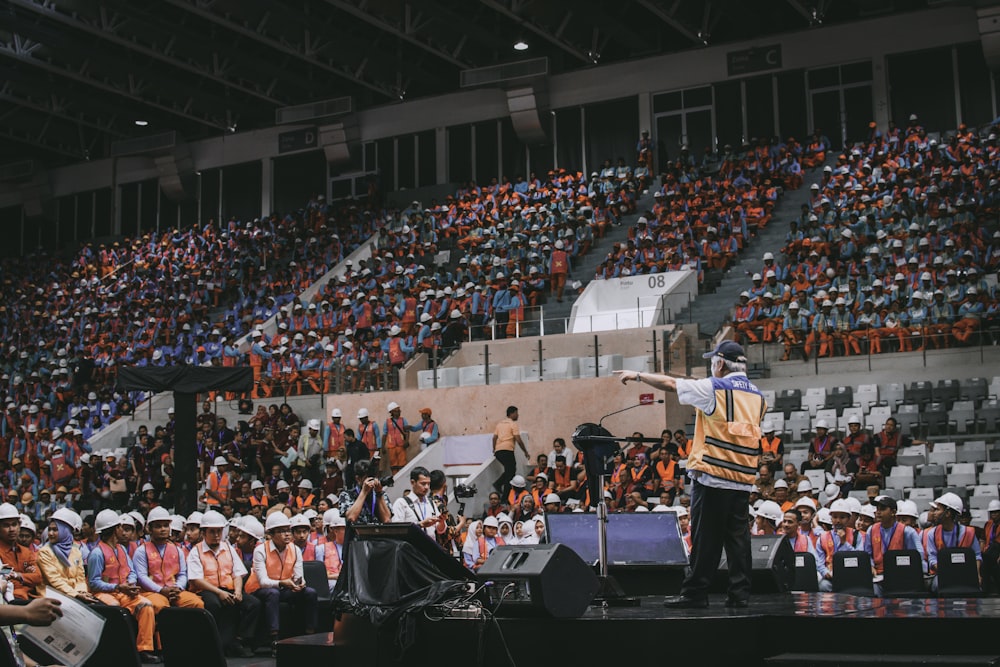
point(795, 628)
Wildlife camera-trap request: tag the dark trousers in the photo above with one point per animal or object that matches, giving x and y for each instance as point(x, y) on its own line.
point(234, 621)
point(991, 569)
point(719, 519)
point(506, 459)
point(303, 601)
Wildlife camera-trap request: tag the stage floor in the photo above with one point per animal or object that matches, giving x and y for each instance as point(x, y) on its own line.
point(845, 629)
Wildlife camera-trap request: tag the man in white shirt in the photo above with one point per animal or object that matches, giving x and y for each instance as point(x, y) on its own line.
point(277, 576)
point(418, 507)
point(216, 572)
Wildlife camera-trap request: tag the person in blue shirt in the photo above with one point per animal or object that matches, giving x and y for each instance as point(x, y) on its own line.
point(889, 534)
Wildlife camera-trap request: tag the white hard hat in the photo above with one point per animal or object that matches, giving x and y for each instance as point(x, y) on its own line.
point(909, 508)
point(770, 510)
point(106, 519)
point(823, 516)
point(781, 484)
point(831, 491)
point(841, 506)
point(821, 423)
point(212, 519)
point(804, 485)
point(854, 504)
point(177, 523)
point(195, 518)
point(299, 521)
point(335, 413)
point(491, 522)
point(994, 506)
point(282, 484)
point(148, 487)
point(251, 526)
point(951, 501)
point(392, 406)
point(157, 514)
point(767, 426)
point(363, 412)
point(868, 511)
point(28, 524)
point(277, 520)
point(330, 518)
point(220, 461)
point(68, 517)
point(8, 511)
point(425, 436)
point(256, 484)
point(305, 484)
point(806, 501)
point(518, 481)
point(313, 424)
point(552, 498)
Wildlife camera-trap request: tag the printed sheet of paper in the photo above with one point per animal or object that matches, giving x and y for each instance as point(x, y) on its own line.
point(73, 637)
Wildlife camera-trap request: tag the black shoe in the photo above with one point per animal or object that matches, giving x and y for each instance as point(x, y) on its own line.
point(737, 603)
point(149, 658)
point(274, 649)
point(685, 602)
point(239, 650)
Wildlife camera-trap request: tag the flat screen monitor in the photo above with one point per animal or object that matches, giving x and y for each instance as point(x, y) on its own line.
point(646, 538)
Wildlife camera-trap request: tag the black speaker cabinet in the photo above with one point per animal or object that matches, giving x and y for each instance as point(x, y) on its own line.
point(538, 580)
point(773, 562)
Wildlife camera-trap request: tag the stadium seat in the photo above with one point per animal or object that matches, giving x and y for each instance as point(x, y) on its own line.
point(877, 416)
point(798, 424)
point(814, 399)
point(827, 414)
point(796, 456)
point(842, 421)
point(934, 420)
point(990, 473)
point(903, 573)
point(805, 573)
point(914, 455)
point(895, 494)
point(314, 573)
point(778, 419)
point(958, 573)
point(900, 477)
point(930, 475)
point(769, 398)
point(860, 494)
point(922, 497)
point(947, 391)
point(988, 416)
point(852, 573)
point(960, 491)
point(974, 389)
point(963, 414)
point(907, 417)
point(891, 395)
point(866, 396)
point(973, 451)
point(962, 474)
point(817, 478)
point(788, 401)
point(919, 392)
point(982, 495)
point(944, 453)
point(840, 398)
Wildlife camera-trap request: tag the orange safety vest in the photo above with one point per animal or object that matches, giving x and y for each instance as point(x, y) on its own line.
point(163, 570)
point(331, 559)
point(335, 440)
point(116, 569)
point(666, 473)
point(896, 542)
point(770, 445)
point(483, 549)
point(395, 435)
point(368, 436)
point(309, 552)
point(221, 485)
point(513, 499)
point(826, 542)
point(301, 502)
point(275, 565)
point(562, 478)
point(964, 542)
point(396, 354)
point(219, 568)
point(560, 262)
point(990, 533)
point(61, 469)
point(262, 501)
point(801, 543)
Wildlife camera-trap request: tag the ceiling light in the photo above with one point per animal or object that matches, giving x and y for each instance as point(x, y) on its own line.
point(520, 45)
point(142, 123)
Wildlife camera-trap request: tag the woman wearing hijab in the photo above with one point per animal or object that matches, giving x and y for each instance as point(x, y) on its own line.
point(60, 561)
point(470, 549)
point(539, 523)
point(840, 469)
point(506, 528)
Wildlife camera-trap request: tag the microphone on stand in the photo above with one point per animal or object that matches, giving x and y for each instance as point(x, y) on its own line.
point(660, 400)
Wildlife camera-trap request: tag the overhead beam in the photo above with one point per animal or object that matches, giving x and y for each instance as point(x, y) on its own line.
point(49, 10)
point(8, 94)
point(406, 36)
point(8, 133)
point(668, 17)
point(128, 92)
point(252, 34)
point(801, 9)
point(541, 32)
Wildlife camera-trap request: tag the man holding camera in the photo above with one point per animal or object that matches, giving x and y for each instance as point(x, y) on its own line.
point(366, 501)
point(418, 507)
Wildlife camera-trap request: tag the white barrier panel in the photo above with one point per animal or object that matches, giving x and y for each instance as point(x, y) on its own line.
point(632, 302)
point(467, 450)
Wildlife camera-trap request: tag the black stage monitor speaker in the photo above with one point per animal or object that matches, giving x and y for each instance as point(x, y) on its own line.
point(773, 566)
point(413, 535)
point(538, 580)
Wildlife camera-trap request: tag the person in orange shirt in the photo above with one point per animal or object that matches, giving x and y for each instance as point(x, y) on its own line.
point(25, 575)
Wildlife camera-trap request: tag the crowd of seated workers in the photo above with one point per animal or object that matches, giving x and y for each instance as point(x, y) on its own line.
point(706, 211)
point(892, 252)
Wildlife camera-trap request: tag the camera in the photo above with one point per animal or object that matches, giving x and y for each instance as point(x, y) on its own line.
point(386, 481)
point(465, 490)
